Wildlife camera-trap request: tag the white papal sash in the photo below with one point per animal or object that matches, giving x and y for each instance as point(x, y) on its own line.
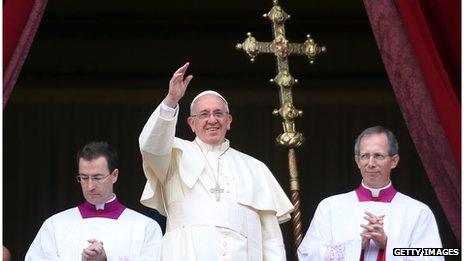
point(207, 212)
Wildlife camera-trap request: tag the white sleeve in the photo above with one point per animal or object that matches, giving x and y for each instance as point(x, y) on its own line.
point(152, 243)
point(273, 244)
point(156, 141)
point(168, 112)
point(318, 243)
point(426, 234)
point(318, 233)
point(44, 245)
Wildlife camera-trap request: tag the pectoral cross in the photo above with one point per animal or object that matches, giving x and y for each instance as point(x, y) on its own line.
point(217, 191)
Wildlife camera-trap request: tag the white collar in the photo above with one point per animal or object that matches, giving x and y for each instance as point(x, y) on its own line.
point(102, 205)
point(216, 148)
point(375, 191)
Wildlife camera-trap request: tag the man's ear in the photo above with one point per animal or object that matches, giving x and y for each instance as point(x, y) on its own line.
point(191, 123)
point(356, 159)
point(395, 159)
point(229, 121)
point(115, 175)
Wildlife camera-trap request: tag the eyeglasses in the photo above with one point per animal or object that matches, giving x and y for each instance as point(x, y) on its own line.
point(375, 156)
point(96, 178)
point(205, 115)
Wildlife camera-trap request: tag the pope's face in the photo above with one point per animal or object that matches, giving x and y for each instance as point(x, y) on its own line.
point(374, 162)
point(97, 186)
point(210, 121)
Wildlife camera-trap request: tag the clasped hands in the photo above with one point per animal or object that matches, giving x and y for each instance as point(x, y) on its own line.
point(94, 252)
point(373, 230)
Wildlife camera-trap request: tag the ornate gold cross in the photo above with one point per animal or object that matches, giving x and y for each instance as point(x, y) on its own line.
point(290, 138)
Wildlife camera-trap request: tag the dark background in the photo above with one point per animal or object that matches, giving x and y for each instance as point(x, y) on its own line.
point(97, 69)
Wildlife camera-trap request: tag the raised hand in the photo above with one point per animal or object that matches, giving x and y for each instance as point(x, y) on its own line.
point(373, 231)
point(177, 86)
point(94, 252)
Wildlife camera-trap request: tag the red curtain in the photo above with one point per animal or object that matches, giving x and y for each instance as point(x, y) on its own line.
point(21, 18)
point(419, 42)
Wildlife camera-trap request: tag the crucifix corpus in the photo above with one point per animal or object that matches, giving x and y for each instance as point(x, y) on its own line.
point(290, 138)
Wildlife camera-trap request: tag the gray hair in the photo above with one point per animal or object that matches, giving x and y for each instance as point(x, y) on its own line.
point(192, 104)
point(392, 142)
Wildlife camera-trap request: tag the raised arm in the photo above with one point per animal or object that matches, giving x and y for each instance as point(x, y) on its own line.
point(157, 137)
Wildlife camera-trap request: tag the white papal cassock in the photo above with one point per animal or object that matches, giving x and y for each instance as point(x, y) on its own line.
point(334, 232)
point(126, 234)
point(240, 223)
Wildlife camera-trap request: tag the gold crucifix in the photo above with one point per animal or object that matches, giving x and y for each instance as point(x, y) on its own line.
point(290, 138)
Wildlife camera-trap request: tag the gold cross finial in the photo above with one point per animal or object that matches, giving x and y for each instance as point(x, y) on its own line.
point(282, 48)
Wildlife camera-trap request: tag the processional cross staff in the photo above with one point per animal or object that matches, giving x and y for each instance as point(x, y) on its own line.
point(290, 138)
